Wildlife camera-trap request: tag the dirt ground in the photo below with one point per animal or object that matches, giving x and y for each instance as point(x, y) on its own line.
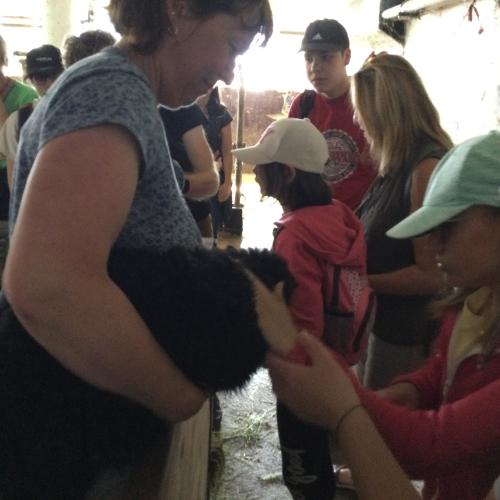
point(250, 442)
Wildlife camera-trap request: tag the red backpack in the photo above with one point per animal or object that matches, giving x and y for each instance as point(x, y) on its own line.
point(349, 310)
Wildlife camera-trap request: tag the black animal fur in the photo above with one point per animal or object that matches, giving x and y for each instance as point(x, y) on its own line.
point(57, 433)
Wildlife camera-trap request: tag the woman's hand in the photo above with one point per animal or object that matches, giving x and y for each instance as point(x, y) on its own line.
point(320, 393)
point(401, 394)
point(224, 192)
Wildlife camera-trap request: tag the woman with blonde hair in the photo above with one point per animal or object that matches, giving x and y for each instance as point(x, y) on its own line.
point(406, 140)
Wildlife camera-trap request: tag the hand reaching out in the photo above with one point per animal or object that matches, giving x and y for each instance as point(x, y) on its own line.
point(224, 192)
point(320, 393)
point(274, 317)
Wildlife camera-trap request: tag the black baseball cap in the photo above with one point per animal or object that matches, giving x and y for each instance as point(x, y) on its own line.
point(325, 35)
point(45, 60)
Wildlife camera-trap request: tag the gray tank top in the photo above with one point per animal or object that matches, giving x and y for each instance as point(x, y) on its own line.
point(401, 320)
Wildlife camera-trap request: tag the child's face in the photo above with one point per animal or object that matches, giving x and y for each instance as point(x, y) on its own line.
point(260, 179)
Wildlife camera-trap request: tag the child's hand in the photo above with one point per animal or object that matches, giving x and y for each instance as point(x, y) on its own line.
point(274, 317)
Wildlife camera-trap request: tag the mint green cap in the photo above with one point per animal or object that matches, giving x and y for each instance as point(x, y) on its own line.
point(468, 175)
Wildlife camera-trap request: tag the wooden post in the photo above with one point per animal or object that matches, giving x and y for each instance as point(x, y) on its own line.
point(240, 120)
point(186, 471)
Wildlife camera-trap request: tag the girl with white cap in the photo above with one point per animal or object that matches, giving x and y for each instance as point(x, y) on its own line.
point(322, 241)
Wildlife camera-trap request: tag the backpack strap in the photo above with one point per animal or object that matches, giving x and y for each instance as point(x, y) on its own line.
point(307, 102)
point(368, 318)
point(23, 113)
point(334, 278)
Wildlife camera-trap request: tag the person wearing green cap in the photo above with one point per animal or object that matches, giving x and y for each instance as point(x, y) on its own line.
point(441, 421)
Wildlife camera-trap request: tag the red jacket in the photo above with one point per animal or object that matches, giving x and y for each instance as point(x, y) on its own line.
point(453, 442)
point(310, 239)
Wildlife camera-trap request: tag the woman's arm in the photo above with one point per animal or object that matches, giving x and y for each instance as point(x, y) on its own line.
point(73, 208)
point(402, 394)
point(227, 163)
point(422, 388)
point(323, 394)
point(435, 443)
point(422, 278)
point(204, 180)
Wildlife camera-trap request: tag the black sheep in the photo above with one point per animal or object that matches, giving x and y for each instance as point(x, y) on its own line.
point(57, 433)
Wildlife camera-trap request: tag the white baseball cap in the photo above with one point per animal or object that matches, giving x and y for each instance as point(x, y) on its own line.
point(293, 141)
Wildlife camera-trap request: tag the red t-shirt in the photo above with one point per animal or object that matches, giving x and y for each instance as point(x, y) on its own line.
point(350, 169)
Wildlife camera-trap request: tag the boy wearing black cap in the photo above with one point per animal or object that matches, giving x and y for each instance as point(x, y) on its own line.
point(327, 53)
point(43, 66)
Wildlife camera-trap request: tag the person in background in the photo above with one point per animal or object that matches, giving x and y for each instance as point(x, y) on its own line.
point(322, 242)
point(43, 66)
point(350, 169)
point(441, 421)
point(13, 95)
point(87, 44)
point(189, 148)
point(402, 272)
point(75, 48)
point(100, 178)
point(219, 136)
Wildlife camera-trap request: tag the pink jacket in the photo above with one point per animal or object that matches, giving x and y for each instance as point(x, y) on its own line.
point(453, 442)
point(310, 239)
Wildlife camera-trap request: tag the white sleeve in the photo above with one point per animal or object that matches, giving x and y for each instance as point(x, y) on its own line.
point(8, 137)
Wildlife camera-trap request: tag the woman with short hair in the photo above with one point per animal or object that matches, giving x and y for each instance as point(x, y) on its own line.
point(101, 177)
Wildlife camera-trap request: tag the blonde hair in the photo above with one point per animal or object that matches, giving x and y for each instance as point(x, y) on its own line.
point(453, 300)
point(391, 101)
